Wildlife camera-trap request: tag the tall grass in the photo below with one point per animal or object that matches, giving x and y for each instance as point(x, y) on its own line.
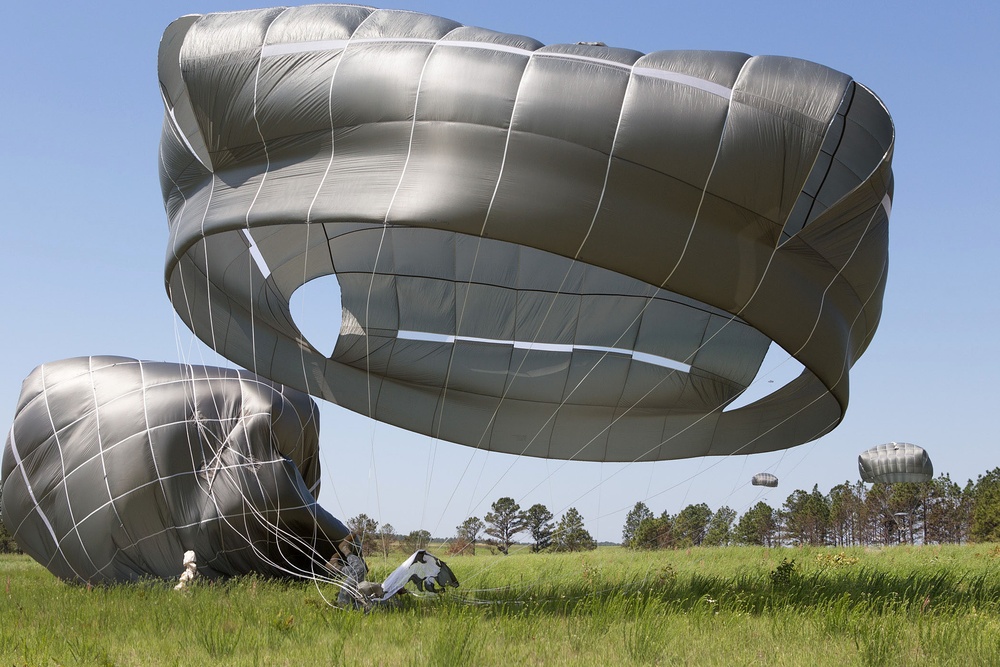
point(713, 606)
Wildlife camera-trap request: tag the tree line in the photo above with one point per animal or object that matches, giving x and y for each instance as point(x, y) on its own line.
point(498, 530)
point(850, 514)
point(939, 511)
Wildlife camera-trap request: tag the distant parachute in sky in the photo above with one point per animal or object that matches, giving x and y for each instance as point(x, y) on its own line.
point(114, 468)
point(570, 251)
point(764, 479)
point(895, 462)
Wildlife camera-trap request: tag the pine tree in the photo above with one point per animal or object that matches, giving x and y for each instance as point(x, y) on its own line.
point(720, 528)
point(757, 526)
point(986, 508)
point(417, 539)
point(691, 524)
point(466, 535)
point(632, 520)
point(504, 522)
point(363, 527)
point(538, 521)
point(571, 535)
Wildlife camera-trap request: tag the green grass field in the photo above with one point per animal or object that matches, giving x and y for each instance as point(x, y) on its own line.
point(705, 606)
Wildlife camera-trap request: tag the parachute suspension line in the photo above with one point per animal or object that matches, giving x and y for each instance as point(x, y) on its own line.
point(548, 476)
point(428, 476)
point(743, 308)
point(756, 289)
point(208, 282)
point(282, 536)
point(206, 436)
point(329, 166)
point(649, 482)
point(36, 507)
point(826, 289)
point(704, 191)
point(746, 457)
point(621, 399)
point(559, 290)
point(479, 478)
point(321, 452)
point(432, 449)
point(607, 168)
point(260, 187)
point(305, 261)
point(181, 353)
point(271, 527)
point(368, 372)
point(454, 488)
point(649, 301)
point(752, 440)
point(838, 380)
point(149, 438)
point(816, 322)
point(600, 493)
point(251, 258)
point(372, 463)
point(62, 465)
point(461, 314)
point(812, 331)
point(373, 471)
point(180, 268)
point(687, 490)
point(700, 472)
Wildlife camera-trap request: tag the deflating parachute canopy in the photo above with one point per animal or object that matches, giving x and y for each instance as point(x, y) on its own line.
point(895, 462)
point(764, 479)
point(566, 251)
point(114, 468)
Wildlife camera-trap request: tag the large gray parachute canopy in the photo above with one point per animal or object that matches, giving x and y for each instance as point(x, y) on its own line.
point(114, 468)
point(764, 479)
point(895, 462)
point(570, 251)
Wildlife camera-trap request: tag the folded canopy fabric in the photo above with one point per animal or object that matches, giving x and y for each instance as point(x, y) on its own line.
point(114, 468)
point(571, 251)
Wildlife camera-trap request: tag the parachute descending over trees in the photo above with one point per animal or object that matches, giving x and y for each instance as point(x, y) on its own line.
point(570, 251)
point(114, 468)
point(764, 479)
point(895, 462)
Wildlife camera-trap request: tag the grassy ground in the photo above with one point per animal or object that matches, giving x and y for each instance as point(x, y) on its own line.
point(706, 606)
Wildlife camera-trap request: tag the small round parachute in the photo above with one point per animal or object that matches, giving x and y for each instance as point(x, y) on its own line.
point(764, 479)
point(895, 462)
point(570, 251)
point(114, 468)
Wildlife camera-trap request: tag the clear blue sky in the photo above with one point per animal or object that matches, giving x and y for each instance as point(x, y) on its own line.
point(83, 239)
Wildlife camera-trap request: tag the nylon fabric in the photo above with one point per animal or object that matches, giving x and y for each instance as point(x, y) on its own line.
point(679, 210)
point(114, 468)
